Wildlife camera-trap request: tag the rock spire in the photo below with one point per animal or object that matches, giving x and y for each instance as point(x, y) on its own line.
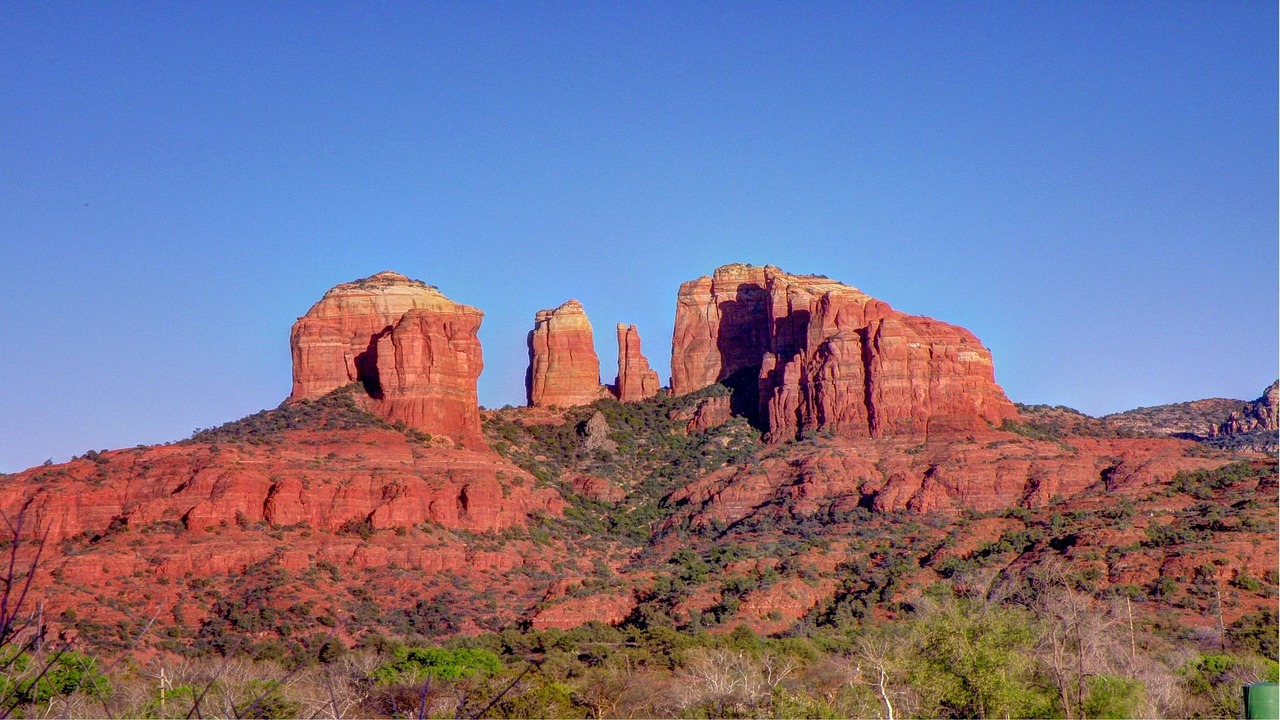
point(563, 367)
point(635, 380)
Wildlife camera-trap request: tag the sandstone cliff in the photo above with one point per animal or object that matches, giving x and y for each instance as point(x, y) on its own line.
point(635, 380)
point(563, 367)
point(1257, 416)
point(808, 353)
point(414, 351)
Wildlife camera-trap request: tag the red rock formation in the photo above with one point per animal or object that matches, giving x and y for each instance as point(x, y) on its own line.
point(596, 488)
point(428, 366)
point(563, 367)
point(415, 352)
point(709, 413)
point(721, 327)
point(610, 609)
point(132, 524)
point(998, 470)
point(635, 380)
point(825, 356)
point(1257, 416)
point(325, 480)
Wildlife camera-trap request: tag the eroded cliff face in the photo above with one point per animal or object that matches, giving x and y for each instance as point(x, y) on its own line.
point(813, 354)
point(563, 367)
point(635, 381)
point(1257, 416)
point(323, 479)
point(415, 352)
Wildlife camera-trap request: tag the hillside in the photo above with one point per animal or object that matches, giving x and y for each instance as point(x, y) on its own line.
point(763, 514)
point(1219, 422)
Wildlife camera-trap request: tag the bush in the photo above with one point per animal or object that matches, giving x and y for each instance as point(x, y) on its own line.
point(1256, 632)
point(1113, 697)
point(67, 672)
point(1202, 484)
point(417, 663)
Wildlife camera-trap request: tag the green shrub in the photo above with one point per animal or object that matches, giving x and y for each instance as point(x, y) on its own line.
point(68, 672)
point(416, 663)
point(1113, 697)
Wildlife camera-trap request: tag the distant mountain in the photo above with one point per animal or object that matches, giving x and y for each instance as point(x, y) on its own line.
point(1220, 422)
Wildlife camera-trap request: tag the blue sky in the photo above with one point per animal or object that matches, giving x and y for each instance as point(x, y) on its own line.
point(1090, 187)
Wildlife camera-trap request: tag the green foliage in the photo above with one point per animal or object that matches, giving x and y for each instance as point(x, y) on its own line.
point(1049, 432)
point(267, 701)
point(655, 456)
point(1256, 632)
point(412, 664)
point(1174, 534)
point(334, 411)
point(28, 681)
point(1112, 697)
point(977, 657)
point(1204, 484)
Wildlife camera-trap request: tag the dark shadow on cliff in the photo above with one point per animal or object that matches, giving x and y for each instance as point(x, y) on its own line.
point(742, 342)
point(528, 371)
point(367, 366)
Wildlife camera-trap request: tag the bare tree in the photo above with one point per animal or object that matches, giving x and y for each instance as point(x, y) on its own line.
point(1078, 639)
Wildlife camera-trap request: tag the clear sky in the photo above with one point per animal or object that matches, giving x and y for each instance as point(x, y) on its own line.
point(1090, 187)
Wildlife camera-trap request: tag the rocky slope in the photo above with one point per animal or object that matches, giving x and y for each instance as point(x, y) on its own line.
point(809, 354)
point(1219, 421)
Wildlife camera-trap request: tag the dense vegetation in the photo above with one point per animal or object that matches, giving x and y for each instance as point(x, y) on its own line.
point(651, 455)
point(918, 618)
point(336, 410)
point(1050, 651)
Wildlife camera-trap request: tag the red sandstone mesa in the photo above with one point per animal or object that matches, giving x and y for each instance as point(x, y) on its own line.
point(415, 352)
point(635, 380)
point(563, 367)
point(818, 354)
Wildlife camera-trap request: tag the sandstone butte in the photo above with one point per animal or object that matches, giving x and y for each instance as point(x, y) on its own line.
point(563, 367)
point(413, 350)
point(635, 381)
point(810, 353)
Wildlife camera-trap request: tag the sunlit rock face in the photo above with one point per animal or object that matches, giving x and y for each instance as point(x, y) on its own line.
point(803, 352)
point(563, 367)
point(415, 352)
point(636, 381)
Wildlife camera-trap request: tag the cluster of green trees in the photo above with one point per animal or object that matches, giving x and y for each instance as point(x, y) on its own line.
point(1049, 652)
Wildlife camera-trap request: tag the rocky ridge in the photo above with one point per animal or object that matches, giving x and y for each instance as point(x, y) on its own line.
point(1219, 422)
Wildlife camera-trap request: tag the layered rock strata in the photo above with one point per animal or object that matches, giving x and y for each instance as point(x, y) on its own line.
point(563, 367)
point(1257, 416)
point(810, 353)
point(414, 351)
point(635, 381)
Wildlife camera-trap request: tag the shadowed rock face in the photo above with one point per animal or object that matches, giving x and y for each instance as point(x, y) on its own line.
point(635, 380)
point(808, 353)
point(413, 350)
point(563, 367)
